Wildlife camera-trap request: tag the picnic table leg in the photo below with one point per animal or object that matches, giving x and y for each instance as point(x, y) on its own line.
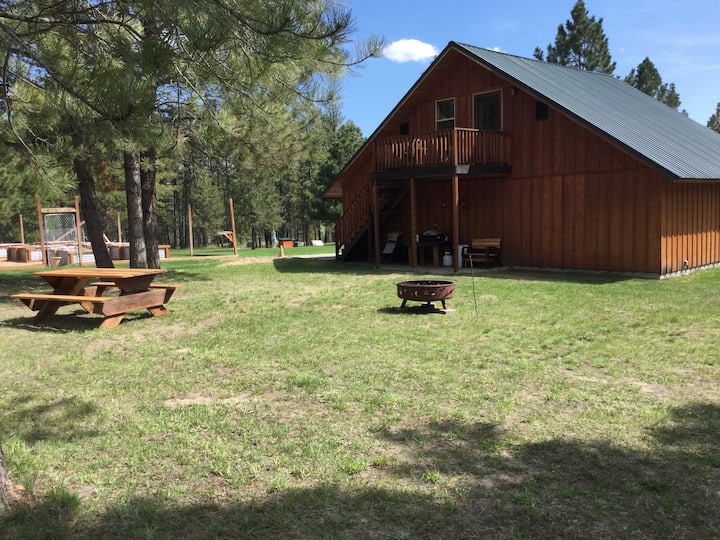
point(112, 321)
point(96, 290)
point(158, 310)
point(47, 311)
point(90, 291)
point(64, 285)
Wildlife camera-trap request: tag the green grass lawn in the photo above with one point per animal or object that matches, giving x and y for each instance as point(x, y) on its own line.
point(289, 398)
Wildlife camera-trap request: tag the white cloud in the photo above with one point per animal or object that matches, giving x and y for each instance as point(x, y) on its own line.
point(409, 50)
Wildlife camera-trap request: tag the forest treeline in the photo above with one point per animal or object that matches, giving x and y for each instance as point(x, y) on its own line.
point(144, 108)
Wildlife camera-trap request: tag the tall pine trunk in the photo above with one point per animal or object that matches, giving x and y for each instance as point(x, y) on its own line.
point(306, 232)
point(136, 229)
point(89, 203)
point(7, 493)
point(91, 213)
point(149, 207)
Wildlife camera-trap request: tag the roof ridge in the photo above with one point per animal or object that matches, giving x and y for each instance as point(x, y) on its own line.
point(534, 60)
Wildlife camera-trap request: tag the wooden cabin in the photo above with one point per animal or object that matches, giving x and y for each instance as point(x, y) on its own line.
point(571, 169)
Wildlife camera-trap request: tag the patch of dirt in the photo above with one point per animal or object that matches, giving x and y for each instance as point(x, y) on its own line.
point(649, 388)
point(182, 328)
point(199, 399)
point(248, 260)
point(645, 388)
point(573, 375)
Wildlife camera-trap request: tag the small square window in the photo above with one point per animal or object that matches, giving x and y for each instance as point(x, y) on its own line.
point(445, 114)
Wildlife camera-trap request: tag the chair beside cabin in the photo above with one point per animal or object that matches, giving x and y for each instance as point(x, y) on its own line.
point(485, 251)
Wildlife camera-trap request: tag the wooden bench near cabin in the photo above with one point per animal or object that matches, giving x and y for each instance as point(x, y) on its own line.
point(483, 250)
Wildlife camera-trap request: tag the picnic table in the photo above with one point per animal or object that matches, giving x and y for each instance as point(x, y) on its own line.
point(136, 291)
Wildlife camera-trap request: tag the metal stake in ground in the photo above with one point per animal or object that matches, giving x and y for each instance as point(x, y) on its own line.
point(472, 278)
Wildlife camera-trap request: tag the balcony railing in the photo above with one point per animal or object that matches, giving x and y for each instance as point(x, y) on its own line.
point(459, 146)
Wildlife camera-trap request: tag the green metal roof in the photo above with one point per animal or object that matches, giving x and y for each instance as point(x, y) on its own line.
point(642, 125)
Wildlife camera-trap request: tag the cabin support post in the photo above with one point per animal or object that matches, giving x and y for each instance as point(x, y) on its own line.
point(375, 224)
point(455, 220)
point(455, 202)
point(413, 225)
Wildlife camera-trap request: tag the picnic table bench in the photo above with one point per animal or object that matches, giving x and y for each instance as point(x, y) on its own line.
point(136, 291)
point(97, 288)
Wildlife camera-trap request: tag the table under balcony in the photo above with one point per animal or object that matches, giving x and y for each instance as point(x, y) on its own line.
point(459, 151)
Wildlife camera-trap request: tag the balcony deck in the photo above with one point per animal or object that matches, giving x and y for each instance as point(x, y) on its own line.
point(459, 151)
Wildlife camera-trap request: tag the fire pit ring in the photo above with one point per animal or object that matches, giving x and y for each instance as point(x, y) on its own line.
point(425, 290)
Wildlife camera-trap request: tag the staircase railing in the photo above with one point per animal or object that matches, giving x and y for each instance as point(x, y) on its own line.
point(352, 218)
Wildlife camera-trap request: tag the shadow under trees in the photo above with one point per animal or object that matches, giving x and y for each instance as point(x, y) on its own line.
point(557, 488)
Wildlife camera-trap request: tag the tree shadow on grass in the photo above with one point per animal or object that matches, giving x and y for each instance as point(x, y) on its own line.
point(328, 265)
point(12, 282)
point(415, 310)
point(323, 265)
point(331, 266)
point(322, 512)
point(182, 275)
point(70, 321)
point(456, 480)
point(58, 420)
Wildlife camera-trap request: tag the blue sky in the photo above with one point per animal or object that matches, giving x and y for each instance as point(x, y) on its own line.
point(681, 38)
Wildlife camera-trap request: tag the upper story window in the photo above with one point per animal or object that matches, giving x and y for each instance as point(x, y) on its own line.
point(487, 111)
point(445, 114)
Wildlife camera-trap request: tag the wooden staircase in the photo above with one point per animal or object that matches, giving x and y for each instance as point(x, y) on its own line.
point(351, 230)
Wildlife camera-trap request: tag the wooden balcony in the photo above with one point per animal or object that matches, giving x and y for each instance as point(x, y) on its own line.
point(451, 151)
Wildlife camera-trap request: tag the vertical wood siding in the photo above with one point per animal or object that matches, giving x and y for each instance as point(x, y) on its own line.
point(690, 225)
point(594, 221)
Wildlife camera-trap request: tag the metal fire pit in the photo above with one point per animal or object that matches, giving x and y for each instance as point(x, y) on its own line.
point(427, 291)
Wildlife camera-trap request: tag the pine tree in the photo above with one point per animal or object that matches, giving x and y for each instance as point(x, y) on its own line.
point(345, 140)
point(714, 121)
point(646, 78)
point(580, 44)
